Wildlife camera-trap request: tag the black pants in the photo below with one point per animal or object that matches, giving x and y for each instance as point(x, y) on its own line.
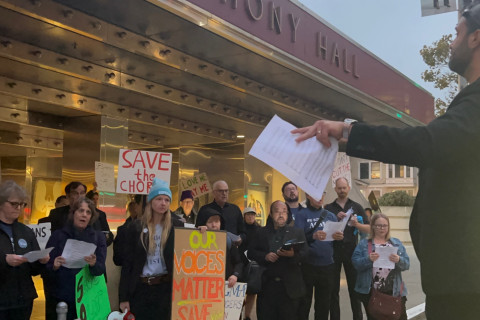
point(152, 302)
point(453, 306)
point(319, 279)
point(22, 313)
point(364, 298)
point(273, 302)
point(343, 255)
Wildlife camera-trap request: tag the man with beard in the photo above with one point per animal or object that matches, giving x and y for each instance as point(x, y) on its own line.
point(343, 250)
point(447, 153)
point(290, 194)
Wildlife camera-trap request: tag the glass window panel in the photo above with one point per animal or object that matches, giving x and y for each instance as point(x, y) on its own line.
point(399, 171)
point(364, 170)
point(375, 170)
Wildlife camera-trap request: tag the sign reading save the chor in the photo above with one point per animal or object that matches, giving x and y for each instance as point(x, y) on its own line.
point(137, 168)
point(198, 275)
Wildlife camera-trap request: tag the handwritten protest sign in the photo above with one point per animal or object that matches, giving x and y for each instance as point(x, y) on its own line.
point(341, 169)
point(137, 169)
point(105, 176)
point(234, 297)
point(42, 233)
point(199, 275)
point(199, 185)
point(91, 296)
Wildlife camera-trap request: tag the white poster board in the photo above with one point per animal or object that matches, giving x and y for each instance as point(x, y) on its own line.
point(42, 233)
point(137, 169)
point(198, 184)
point(105, 176)
point(342, 169)
point(234, 297)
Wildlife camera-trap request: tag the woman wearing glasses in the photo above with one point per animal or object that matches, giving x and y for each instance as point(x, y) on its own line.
point(386, 280)
point(17, 291)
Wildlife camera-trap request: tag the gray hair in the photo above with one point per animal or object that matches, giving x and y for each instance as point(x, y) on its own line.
point(10, 188)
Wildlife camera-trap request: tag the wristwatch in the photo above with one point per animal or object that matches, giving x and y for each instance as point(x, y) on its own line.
point(347, 123)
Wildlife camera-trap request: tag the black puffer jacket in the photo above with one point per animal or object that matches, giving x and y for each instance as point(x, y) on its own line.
point(16, 285)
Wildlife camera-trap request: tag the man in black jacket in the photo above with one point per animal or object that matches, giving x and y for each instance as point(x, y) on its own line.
point(444, 224)
point(230, 212)
point(282, 282)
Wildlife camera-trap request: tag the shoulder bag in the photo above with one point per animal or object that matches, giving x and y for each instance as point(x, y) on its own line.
point(384, 306)
point(253, 273)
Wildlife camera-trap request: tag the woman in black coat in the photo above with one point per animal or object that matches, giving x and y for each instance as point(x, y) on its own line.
point(17, 291)
point(146, 278)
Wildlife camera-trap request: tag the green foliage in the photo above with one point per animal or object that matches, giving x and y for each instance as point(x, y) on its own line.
point(396, 199)
point(436, 57)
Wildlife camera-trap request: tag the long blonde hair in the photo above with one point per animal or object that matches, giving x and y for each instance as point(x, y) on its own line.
point(375, 217)
point(147, 222)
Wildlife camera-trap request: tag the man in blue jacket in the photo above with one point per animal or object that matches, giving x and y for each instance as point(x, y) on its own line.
point(318, 270)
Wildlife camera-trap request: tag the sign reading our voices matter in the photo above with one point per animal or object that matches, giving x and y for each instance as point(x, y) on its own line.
point(137, 169)
point(199, 275)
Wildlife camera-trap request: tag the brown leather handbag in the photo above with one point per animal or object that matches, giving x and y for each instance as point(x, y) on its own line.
point(384, 307)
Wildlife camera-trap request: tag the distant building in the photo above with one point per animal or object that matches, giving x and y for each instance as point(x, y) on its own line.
point(383, 178)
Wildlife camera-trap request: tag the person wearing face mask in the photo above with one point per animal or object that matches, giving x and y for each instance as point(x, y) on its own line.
point(78, 227)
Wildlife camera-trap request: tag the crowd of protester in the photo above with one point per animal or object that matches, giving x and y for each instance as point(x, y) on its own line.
point(296, 258)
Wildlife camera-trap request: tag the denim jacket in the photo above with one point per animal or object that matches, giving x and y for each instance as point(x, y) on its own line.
point(364, 265)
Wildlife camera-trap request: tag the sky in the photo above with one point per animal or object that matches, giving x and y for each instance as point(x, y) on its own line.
point(393, 30)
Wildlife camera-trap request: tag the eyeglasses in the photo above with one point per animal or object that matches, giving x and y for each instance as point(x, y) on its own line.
point(472, 14)
point(380, 226)
point(17, 205)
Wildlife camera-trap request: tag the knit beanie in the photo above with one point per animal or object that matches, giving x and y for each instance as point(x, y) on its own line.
point(159, 187)
point(186, 194)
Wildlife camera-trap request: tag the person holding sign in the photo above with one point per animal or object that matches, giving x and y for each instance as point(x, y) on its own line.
point(233, 262)
point(17, 291)
point(282, 282)
point(386, 280)
point(186, 213)
point(146, 278)
point(78, 227)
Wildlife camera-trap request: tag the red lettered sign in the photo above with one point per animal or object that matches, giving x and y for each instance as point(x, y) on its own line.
point(137, 169)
